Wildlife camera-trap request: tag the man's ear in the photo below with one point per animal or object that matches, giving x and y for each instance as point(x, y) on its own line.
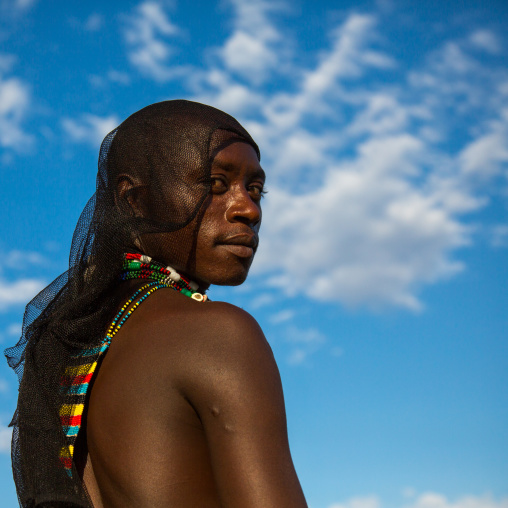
point(131, 195)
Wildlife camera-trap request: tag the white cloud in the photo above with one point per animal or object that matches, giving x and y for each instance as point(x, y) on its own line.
point(226, 94)
point(304, 341)
point(337, 352)
point(261, 300)
point(14, 329)
point(24, 4)
point(373, 228)
point(359, 502)
point(17, 259)
point(408, 492)
point(6, 62)
point(499, 235)
point(487, 155)
point(383, 114)
point(4, 386)
point(14, 97)
point(145, 33)
point(16, 6)
point(456, 79)
point(485, 40)
point(248, 55)
point(297, 356)
point(119, 77)
point(253, 53)
point(348, 58)
point(18, 292)
point(427, 500)
point(14, 104)
point(112, 76)
point(5, 439)
point(367, 235)
point(455, 60)
point(434, 500)
point(94, 22)
point(252, 49)
point(282, 316)
point(365, 196)
point(89, 128)
point(305, 336)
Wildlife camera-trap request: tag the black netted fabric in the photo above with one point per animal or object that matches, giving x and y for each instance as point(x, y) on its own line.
point(165, 150)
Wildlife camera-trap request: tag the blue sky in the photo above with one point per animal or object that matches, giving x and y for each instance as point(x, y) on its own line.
point(381, 277)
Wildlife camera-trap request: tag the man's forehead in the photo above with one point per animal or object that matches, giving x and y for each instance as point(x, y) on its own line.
point(229, 165)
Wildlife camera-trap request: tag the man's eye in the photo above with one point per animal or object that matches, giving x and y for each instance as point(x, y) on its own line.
point(218, 185)
point(257, 191)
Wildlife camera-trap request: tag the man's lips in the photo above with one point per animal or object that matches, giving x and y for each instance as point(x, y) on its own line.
point(242, 245)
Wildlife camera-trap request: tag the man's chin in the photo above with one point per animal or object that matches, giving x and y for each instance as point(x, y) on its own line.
point(230, 279)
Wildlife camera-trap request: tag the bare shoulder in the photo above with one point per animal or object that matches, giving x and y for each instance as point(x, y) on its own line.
point(181, 335)
point(230, 334)
point(212, 324)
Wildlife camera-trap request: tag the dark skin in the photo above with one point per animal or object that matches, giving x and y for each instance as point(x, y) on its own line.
point(187, 408)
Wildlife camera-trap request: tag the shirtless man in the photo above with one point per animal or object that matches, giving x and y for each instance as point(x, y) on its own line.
point(186, 408)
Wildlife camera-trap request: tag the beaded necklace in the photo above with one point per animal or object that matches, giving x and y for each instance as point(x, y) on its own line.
point(140, 266)
point(79, 373)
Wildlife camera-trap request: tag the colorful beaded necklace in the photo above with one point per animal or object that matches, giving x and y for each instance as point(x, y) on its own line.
point(140, 266)
point(79, 373)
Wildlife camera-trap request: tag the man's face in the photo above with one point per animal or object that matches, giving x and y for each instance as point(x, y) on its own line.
point(218, 246)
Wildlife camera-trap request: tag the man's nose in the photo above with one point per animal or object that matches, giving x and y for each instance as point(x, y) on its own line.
point(243, 209)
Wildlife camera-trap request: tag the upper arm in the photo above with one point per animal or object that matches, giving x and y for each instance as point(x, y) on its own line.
point(234, 385)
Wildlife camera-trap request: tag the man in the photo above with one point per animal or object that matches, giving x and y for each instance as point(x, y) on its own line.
point(178, 402)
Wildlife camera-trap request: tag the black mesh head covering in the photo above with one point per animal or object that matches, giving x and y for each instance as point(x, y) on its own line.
point(167, 149)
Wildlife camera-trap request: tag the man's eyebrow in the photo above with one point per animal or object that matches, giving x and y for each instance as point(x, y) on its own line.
point(228, 166)
point(260, 172)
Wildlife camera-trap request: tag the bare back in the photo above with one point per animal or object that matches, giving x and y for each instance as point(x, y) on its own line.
point(187, 410)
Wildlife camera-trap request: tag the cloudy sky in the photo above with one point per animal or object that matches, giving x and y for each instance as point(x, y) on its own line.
point(381, 276)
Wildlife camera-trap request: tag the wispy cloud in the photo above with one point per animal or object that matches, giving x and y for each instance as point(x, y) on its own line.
point(14, 329)
point(18, 292)
point(367, 235)
point(499, 235)
point(365, 195)
point(282, 316)
point(19, 260)
point(435, 500)
point(369, 203)
point(253, 48)
point(17, 6)
point(359, 502)
point(119, 77)
point(94, 22)
point(261, 300)
point(486, 156)
point(15, 100)
point(6, 62)
point(5, 439)
point(146, 33)
point(22, 289)
point(485, 40)
point(426, 500)
point(304, 342)
point(89, 128)
point(24, 4)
